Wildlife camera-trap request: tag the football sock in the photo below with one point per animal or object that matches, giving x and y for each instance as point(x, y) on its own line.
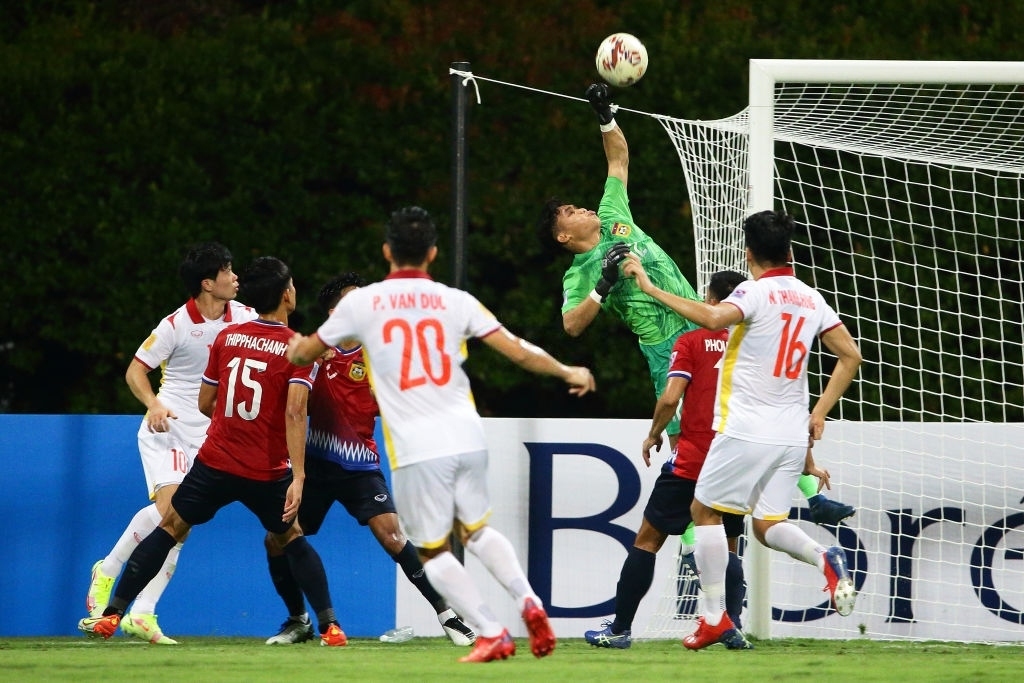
point(634, 582)
point(808, 485)
point(143, 564)
point(409, 561)
point(452, 580)
point(499, 557)
point(712, 555)
point(688, 540)
point(308, 570)
point(735, 589)
point(142, 524)
point(150, 595)
point(325, 618)
point(791, 539)
point(286, 585)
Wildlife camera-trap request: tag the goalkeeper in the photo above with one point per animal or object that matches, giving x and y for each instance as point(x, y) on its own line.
point(599, 243)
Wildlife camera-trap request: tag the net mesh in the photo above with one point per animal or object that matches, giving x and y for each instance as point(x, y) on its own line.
point(911, 198)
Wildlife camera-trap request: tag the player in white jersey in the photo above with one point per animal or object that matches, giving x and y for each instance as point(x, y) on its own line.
point(173, 429)
point(414, 333)
point(761, 414)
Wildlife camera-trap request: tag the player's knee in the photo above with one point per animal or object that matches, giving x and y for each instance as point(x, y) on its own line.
point(702, 515)
point(427, 554)
point(284, 539)
point(761, 527)
point(388, 533)
point(272, 546)
point(649, 538)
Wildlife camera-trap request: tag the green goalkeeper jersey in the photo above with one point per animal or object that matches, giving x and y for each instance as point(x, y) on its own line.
point(652, 322)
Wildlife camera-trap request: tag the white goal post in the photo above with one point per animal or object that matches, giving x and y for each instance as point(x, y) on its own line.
point(909, 180)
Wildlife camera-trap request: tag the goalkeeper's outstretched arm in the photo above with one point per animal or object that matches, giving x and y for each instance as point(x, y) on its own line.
point(615, 148)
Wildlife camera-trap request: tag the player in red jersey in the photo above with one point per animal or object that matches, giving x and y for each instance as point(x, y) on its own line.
point(343, 465)
point(693, 370)
point(254, 452)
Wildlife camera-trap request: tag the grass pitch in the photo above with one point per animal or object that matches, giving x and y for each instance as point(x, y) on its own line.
point(434, 659)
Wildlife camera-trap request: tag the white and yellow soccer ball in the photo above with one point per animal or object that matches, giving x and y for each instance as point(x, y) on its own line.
point(621, 59)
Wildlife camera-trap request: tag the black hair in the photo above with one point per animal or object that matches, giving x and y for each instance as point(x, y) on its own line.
point(547, 221)
point(769, 236)
point(264, 283)
point(330, 294)
point(203, 262)
point(410, 232)
point(723, 282)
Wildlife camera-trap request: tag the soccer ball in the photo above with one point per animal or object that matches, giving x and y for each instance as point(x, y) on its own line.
point(621, 59)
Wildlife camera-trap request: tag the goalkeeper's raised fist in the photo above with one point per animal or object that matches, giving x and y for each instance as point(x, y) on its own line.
point(600, 98)
point(615, 255)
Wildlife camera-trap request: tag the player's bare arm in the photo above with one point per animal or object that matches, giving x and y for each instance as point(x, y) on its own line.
point(664, 409)
point(811, 468)
point(840, 342)
point(207, 399)
point(295, 437)
point(303, 350)
point(578, 319)
point(157, 414)
point(537, 360)
point(713, 317)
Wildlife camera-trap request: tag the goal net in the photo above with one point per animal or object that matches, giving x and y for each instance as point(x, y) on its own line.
point(908, 179)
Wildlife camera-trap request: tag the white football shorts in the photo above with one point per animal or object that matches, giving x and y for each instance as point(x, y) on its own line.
point(744, 477)
point(168, 456)
point(431, 494)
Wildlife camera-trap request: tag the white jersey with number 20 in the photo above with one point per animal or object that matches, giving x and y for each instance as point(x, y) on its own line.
point(762, 387)
point(414, 333)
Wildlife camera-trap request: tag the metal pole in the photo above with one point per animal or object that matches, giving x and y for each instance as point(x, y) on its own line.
point(459, 176)
point(458, 219)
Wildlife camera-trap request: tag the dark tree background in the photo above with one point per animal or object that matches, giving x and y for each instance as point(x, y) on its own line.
point(130, 130)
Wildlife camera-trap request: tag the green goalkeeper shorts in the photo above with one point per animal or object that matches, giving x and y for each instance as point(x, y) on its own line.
point(658, 356)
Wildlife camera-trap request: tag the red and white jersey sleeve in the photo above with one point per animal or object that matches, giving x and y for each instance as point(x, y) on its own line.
point(414, 331)
point(180, 346)
point(762, 392)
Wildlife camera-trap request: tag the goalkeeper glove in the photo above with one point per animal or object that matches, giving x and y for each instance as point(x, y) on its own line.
point(601, 101)
point(615, 255)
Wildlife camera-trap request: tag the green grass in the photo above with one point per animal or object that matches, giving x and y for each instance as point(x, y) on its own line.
point(199, 660)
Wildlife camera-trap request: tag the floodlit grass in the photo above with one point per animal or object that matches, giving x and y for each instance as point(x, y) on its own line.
point(434, 659)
